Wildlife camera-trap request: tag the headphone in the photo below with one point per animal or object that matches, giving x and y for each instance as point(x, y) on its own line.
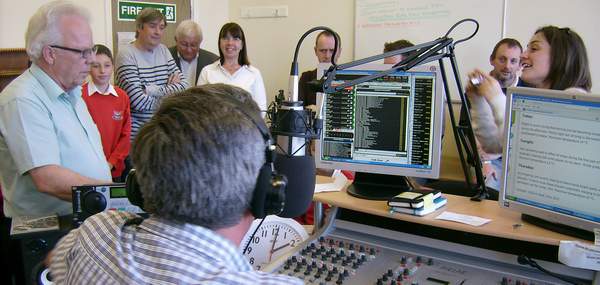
point(268, 197)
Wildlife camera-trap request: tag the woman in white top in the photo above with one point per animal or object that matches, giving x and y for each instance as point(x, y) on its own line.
point(233, 66)
point(556, 58)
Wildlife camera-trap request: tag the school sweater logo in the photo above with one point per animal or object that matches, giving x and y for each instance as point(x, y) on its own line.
point(117, 115)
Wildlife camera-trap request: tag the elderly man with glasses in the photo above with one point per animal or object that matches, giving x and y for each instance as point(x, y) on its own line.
point(48, 141)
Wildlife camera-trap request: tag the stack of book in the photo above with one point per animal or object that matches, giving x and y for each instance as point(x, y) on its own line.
point(417, 202)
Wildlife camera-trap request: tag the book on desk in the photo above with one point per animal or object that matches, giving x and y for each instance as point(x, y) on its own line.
point(438, 202)
point(414, 198)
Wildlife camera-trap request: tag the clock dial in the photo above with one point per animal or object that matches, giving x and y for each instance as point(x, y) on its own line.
point(275, 237)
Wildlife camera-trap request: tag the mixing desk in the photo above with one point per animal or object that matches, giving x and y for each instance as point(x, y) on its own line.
point(351, 253)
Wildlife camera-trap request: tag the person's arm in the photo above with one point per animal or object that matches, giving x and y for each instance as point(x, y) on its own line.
point(203, 77)
point(57, 181)
point(176, 81)
point(124, 141)
point(128, 78)
point(258, 92)
point(487, 112)
point(60, 259)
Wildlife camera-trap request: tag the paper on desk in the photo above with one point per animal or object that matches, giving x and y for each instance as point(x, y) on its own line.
point(465, 219)
point(338, 183)
point(579, 254)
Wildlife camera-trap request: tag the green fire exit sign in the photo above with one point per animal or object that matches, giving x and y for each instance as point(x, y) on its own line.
point(128, 10)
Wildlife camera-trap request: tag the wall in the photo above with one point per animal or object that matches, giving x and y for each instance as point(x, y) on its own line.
point(271, 41)
point(14, 16)
point(211, 15)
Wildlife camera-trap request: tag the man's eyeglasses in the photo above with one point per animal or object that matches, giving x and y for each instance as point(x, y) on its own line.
point(85, 53)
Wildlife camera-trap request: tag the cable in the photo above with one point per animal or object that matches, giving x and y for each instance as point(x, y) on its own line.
point(460, 22)
point(252, 236)
point(526, 260)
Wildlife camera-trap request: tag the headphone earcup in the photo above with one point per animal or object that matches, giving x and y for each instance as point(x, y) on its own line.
point(134, 195)
point(268, 197)
point(259, 195)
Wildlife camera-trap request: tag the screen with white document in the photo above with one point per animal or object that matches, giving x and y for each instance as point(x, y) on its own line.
point(552, 158)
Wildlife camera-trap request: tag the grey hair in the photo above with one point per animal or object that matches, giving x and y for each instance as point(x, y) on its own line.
point(198, 158)
point(188, 28)
point(43, 28)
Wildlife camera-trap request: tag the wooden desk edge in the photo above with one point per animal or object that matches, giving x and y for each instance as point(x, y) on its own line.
point(504, 223)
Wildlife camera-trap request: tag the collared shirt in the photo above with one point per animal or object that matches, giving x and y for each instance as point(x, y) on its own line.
point(92, 89)
point(119, 248)
point(247, 77)
point(189, 69)
point(41, 124)
point(111, 113)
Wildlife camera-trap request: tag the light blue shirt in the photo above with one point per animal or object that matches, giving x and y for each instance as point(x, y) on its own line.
point(41, 124)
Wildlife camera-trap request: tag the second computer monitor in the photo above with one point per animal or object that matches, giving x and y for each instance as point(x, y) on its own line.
point(389, 126)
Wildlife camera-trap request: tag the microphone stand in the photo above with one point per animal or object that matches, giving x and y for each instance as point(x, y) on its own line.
point(421, 54)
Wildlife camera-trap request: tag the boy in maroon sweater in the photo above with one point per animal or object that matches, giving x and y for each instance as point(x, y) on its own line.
point(109, 107)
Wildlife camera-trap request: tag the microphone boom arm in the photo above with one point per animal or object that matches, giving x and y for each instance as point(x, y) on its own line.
point(421, 54)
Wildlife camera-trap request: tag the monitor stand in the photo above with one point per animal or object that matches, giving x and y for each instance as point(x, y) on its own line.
point(559, 228)
point(377, 186)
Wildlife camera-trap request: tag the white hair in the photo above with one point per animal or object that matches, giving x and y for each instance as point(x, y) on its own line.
point(43, 27)
point(188, 28)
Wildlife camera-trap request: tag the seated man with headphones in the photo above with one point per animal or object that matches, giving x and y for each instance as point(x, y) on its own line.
point(203, 164)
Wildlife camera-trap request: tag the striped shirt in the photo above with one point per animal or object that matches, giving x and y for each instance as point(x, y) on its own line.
point(144, 75)
point(119, 248)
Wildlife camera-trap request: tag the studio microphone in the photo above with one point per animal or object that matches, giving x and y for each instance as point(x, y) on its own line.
point(294, 127)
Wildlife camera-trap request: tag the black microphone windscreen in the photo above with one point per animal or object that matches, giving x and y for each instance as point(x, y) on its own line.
point(300, 173)
point(315, 85)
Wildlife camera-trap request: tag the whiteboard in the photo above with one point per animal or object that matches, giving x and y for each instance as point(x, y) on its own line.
point(381, 21)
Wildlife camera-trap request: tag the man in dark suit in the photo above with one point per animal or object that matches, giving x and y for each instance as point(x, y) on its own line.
point(188, 55)
point(323, 50)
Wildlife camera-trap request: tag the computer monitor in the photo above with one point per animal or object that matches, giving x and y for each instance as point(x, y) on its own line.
point(551, 159)
point(383, 129)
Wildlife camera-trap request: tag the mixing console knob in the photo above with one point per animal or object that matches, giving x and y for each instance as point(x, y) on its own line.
point(351, 246)
point(361, 249)
point(419, 260)
point(393, 282)
point(406, 272)
point(504, 281)
point(372, 251)
point(379, 281)
point(390, 273)
point(430, 261)
point(403, 261)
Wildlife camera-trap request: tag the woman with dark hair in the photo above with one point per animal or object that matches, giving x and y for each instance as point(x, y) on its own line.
point(233, 66)
point(556, 58)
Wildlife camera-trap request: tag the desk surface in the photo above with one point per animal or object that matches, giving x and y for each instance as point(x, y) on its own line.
point(502, 224)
